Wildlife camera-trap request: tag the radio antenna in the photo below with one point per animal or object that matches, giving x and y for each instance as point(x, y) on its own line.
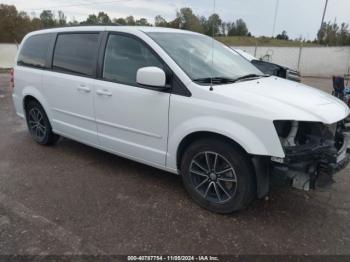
point(212, 48)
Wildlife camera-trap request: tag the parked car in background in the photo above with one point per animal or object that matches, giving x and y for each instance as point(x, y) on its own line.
point(271, 68)
point(158, 96)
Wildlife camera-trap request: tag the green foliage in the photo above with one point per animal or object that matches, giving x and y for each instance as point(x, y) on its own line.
point(47, 18)
point(343, 35)
point(130, 20)
point(261, 41)
point(160, 21)
point(15, 25)
point(331, 34)
point(212, 26)
point(186, 20)
point(238, 29)
point(91, 20)
point(142, 22)
point(62, 20)
point(101, 19)
point(119, 21)
point(283, 36)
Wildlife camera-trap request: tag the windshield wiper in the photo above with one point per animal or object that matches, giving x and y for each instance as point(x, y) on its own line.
point(249, 76)
point(214, 80)
point(226, 80)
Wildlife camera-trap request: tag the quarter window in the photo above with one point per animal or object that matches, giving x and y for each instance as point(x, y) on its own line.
point(34, 51)
point(124, 56)
point(76, 53)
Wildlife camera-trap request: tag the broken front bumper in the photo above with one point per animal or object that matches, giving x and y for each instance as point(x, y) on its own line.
point(312, 166)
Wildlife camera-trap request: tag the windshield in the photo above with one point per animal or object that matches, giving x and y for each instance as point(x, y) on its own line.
point(194, 53)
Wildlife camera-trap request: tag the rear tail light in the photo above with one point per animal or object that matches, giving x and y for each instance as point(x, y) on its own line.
point(12, 80)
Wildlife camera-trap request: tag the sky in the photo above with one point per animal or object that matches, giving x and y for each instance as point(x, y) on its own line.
point(300, 18)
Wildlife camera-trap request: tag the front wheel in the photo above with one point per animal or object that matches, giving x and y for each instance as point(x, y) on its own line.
point(218, 176)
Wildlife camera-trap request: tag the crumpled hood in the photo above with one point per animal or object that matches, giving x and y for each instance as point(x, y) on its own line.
point(287, 100)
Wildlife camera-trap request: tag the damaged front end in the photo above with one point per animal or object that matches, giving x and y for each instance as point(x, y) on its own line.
point(314, 152)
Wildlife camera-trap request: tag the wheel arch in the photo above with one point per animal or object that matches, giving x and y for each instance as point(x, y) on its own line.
point(31, 93)
point(26, 101)
point(47, 137)
point(195, 136)
point(260, 164)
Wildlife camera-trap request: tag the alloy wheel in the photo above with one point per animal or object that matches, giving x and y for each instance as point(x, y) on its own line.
point(213, 177)
point(36, 123)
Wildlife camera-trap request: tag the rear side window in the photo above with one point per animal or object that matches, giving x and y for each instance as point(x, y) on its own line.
point(76, 53)
point(34, 51)
point(124, 56)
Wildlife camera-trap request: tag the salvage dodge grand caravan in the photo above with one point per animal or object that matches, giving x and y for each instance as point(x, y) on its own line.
point(181, 102)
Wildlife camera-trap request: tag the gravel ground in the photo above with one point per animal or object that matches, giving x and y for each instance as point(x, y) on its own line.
point(73, 199)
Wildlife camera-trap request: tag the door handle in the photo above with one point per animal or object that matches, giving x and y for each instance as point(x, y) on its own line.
point(103, 92)
point(84, 88)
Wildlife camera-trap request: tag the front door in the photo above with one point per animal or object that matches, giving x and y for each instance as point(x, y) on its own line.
point(131, 120)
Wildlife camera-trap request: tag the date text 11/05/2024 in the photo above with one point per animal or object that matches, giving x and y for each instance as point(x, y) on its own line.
point(173, 258)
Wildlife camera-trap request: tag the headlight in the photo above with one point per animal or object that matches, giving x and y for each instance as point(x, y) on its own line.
point(282, 127)
point(287, 131)
point(294, 133)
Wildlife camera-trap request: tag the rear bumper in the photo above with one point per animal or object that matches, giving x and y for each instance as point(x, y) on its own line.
point(17, 102)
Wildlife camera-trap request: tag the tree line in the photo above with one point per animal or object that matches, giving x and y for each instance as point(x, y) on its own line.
point(14, 24)
point(334, 35)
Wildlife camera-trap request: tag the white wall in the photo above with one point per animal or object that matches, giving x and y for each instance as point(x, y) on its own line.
point(7, 55)
point(325, 61)
point(310, 61)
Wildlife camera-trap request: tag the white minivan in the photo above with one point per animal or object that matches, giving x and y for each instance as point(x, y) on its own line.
point(182, 102)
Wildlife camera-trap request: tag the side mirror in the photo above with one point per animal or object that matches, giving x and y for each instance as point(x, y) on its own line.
point(151, 76)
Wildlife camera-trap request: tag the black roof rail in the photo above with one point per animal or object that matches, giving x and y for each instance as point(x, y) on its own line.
point(111, 24)
point(84, 24)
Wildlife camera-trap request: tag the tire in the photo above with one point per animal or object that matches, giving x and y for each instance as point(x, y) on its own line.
point(39, 125)
point(235, 186)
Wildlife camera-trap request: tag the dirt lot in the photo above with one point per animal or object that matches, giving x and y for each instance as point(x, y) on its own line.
point(73, 199)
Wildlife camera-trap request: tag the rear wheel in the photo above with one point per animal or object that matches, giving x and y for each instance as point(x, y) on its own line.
point(39, 125)
point(218, 176)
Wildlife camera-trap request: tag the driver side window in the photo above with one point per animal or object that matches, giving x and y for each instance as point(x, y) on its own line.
point(124, 55)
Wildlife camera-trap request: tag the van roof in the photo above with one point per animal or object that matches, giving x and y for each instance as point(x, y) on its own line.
point(115, 28)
